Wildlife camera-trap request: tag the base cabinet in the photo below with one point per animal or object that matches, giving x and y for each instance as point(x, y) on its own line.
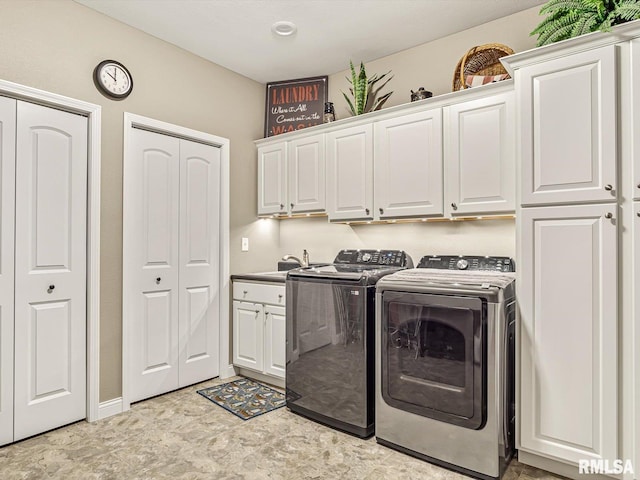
point(259, 328)
point(567, 292)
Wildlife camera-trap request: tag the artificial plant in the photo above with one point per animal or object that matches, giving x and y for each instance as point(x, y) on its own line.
point(364, 91)
point(570, 18)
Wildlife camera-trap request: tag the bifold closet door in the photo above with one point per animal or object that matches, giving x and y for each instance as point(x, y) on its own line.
point(7, 210)
point(151, 239)
point(50, 269)
point(171, 291)
point(199, 296)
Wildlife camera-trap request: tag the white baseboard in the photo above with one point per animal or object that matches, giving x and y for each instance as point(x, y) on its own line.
point(110, 408)
point(228, 371)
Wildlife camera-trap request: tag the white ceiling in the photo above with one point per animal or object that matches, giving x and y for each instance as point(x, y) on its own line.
point(237, 33)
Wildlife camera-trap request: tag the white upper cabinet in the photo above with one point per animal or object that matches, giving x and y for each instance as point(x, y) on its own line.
point(350, 173)
point(567, 109)
point(635, 107)
point(272, 179)
point(568, 297)
point(306, 166)
point(408, 165)
point(480, 152)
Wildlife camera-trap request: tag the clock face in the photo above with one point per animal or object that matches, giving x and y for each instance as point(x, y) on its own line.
point(113, 79)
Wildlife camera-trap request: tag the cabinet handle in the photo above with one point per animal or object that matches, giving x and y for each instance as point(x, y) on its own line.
point(257, 312)
point(291, 205)
point(366, 211)
point(454, 206)
point(638, 185)
point(608, 187)
point(158, 280)
point(266, 313)
point(281, 206)
point(244, 292)
point(608, 215)
point(638, 214)
point(381, 210)
point(279, 296)
point(50, 289)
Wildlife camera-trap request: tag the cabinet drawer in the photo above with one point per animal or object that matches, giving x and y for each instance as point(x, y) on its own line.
point(259, 293)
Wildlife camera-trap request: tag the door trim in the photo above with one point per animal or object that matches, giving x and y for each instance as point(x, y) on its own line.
point(93, 113)
point(137, 121)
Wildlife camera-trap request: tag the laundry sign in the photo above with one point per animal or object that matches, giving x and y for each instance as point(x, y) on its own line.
point(294, 104)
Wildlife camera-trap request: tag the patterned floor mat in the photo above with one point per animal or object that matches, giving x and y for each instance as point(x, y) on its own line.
point(244, 398)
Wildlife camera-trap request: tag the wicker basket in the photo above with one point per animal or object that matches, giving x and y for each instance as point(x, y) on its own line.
point(480, 60)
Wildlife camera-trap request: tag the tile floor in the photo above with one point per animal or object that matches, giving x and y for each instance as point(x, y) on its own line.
point(182, 435)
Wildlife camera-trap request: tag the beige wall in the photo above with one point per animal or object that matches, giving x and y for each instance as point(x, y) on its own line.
point(430, 66)
point(54, 45)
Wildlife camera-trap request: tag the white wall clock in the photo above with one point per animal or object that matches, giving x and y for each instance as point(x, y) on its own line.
point(113, 79)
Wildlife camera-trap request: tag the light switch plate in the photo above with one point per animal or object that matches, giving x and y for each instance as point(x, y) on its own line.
point(245, 244)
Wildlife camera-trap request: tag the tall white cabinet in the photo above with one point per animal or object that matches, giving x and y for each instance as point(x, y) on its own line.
point(577, 239)
point(171, 290)
point(43, 202)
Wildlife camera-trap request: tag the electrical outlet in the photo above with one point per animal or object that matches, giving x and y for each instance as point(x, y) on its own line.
point(245, 244)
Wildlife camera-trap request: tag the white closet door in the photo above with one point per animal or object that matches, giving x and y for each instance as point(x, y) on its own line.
point(199, 294)
point(150, 290)
point(7, 207)
point(50, 269)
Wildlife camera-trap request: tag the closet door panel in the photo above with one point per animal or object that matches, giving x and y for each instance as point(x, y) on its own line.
point(199, 292)
point(50, 269)
point(150, 253)
point(7, 211)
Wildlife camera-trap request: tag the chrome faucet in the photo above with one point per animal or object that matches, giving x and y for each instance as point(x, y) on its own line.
point(303, 263)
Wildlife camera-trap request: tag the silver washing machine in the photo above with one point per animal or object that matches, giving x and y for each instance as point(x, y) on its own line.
point(445, 341)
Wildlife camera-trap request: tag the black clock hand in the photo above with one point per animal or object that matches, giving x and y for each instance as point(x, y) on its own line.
point(112, 76)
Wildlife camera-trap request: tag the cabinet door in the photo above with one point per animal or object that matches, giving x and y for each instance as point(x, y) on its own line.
point(567, 293)
point(199, 289)
point(151, 262)
point(408, 165)
point(248, 335)
point(275, 340)
point(635, 108)
point(7, 212)
point(350, 173)
point(480, 155)
point(568, 127)
point(272, 179)
point(50, 269)
point(306, 165)
point(636, 321)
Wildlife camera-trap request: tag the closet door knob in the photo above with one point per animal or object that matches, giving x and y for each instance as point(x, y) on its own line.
point(454, 206)
point(638, 185)
point(608, 215)
point(281, 206)
point(366, 211)
point(638, 214)
point(381, 211)
point(291, 205)
point(608, 187)
point(51, 288)
point(158, 280)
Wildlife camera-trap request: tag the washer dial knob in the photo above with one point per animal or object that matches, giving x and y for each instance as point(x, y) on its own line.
point(462, 264)
point(366, 257)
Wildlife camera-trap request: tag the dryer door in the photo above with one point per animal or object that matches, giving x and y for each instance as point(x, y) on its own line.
point(434, 356)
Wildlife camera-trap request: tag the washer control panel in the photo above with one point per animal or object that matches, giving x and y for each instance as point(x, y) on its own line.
point(468, 262)
point(392, 258)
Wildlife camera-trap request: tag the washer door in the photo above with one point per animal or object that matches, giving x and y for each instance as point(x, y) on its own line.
point(434, 356)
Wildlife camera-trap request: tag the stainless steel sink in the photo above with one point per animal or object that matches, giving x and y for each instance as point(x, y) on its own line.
point(282, 274)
